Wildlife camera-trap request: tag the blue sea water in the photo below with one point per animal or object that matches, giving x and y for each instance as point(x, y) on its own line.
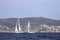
point(29, 36)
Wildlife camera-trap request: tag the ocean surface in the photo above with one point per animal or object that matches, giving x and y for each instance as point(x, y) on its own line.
point(29, 36)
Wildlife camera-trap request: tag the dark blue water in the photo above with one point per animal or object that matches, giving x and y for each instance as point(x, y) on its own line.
point(29, 36)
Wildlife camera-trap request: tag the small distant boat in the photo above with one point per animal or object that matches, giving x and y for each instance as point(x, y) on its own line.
point(18, 27)
point(29, 28)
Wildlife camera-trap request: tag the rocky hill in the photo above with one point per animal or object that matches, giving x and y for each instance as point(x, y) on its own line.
point(35, 21)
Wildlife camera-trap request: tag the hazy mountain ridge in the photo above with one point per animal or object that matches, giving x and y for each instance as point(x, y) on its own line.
point(10, 22)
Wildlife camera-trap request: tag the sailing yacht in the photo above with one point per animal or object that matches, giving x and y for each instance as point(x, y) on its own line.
point(18, 27)
point(29, 30)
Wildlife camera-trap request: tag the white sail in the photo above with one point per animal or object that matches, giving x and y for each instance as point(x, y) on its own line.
point(28, 26)
point(16, 28)
point(19, 25)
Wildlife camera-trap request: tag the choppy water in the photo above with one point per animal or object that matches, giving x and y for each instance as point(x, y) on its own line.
point(29, 36)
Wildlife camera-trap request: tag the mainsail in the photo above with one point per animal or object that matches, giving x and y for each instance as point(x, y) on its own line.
point(28, 26)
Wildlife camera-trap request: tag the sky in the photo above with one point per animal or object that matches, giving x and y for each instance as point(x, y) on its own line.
point(30, 8)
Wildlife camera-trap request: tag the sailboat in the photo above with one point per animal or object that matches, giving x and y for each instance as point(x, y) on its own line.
point(18, 27)
point(29, 28)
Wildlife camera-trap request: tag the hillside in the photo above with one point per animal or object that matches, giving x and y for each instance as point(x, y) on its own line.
point(35, 21)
